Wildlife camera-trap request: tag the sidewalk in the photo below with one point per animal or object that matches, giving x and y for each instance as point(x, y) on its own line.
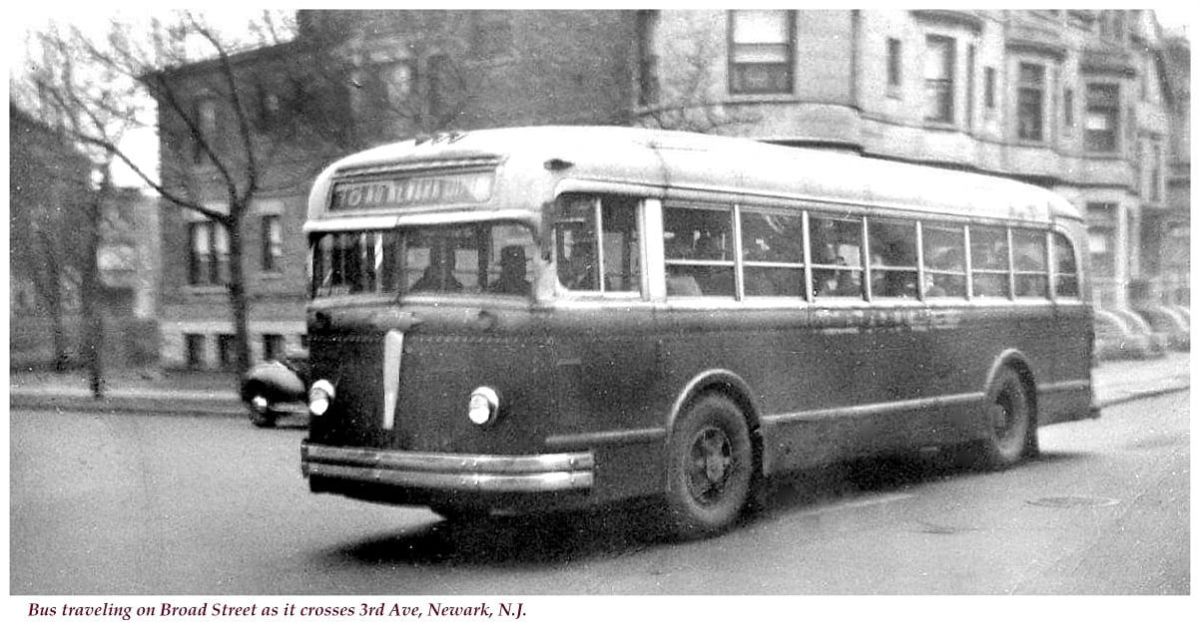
point(172, 392)
point(212, 393)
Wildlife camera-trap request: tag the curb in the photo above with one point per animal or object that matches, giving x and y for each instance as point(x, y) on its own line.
point(1136, 395)
point(165, 405)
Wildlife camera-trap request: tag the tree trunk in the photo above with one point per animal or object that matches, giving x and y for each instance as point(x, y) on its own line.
point(237, 290)
point(93, 325)
point(59, 339)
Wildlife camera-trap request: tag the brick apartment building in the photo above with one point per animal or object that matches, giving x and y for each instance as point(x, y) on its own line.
point(1091, 104)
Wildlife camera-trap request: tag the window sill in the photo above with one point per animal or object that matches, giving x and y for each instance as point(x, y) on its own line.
point(933, 124)
point(766, 98)
point(201, 289)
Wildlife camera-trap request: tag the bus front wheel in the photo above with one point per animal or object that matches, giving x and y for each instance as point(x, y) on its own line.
point(709, 468)
point(1009, 423)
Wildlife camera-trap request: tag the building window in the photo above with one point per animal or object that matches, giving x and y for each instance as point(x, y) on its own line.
point(272, 243)
point(200, 259)
point(208, 253)
point(939, 79)
point(226, 351)
point(760, 52)
point(272, 346)
point(970, 87)
point(1156, 172)
point(270, 108)
point(648, 87)
point(491, 34)
point(1112, 25)
point(1103, 115)
point(1069, 107)
point(206, 128)
point(1030, 96)
point(194, 344)
point(397, 82)
point(989, 88)
point(1101, 217)
point(440, 96)
point(893, 62)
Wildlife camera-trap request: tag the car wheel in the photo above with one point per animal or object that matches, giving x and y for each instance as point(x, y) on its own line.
point(262, 418)
point(1010, 434)
point(709, 467)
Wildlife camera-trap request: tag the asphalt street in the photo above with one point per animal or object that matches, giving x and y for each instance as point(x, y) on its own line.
point(162, 505)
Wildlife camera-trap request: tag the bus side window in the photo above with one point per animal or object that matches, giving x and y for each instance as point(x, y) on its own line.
point(583, 257)
point(836, 256)
point(773, 254)
point(1029, 260)
point(893, 246)
point(989, 261)
point(698, 244)
point(945, 260)
point(1066, 274)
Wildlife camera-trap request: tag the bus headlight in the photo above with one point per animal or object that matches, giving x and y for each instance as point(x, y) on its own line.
point(319, 397)
point(484, 406)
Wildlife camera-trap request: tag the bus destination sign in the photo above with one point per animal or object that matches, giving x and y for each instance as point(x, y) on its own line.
point(413, 191)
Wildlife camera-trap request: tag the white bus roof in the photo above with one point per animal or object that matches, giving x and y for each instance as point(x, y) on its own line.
point(694, 164)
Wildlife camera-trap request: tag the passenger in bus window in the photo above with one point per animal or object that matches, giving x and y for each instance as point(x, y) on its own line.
point(580, 269)
point(932, 288)
point(439, 272)
point(682, 284)
point(759, 283)
point(512, 272)
point(843, 282)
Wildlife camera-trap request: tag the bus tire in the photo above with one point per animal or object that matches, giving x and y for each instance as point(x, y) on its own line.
point(1009, 423)
point(709, 468)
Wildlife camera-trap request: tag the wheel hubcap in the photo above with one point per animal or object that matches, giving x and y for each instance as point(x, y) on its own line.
point(1001, 418)
point(711, 464)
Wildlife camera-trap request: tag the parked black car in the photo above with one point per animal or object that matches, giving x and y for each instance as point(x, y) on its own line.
point(276, 388)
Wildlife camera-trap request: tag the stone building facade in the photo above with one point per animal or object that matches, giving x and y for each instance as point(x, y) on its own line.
point(1091, 104)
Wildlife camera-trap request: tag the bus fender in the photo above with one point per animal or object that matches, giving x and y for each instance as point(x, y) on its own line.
point(1015, 359)
point(733, 386)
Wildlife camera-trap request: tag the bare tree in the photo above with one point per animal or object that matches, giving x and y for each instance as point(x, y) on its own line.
point(689, 98)
point(72, 246)
point(104, 86)
point(49, 184)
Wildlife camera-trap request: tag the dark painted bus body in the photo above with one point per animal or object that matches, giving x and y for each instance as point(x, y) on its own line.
point(706, 347)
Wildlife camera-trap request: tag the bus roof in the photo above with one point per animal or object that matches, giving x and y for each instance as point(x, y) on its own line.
point(689, 163)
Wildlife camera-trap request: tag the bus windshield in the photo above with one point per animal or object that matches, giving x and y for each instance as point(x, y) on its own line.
point(479, 258)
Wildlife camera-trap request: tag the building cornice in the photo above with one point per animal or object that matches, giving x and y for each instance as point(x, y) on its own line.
point(967, 19)
point(1106, 60)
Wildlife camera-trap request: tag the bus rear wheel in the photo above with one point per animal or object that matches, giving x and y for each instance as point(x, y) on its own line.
point(1009, 423)
point(710, 467)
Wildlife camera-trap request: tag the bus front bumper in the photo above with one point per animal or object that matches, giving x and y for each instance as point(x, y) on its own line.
point(451, 473)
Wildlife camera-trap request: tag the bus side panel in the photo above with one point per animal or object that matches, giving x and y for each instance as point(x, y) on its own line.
point(609, 396)
point(806, 368)
point(1072, 368)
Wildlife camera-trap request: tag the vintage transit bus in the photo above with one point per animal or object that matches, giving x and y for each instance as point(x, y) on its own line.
point(518, 320)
